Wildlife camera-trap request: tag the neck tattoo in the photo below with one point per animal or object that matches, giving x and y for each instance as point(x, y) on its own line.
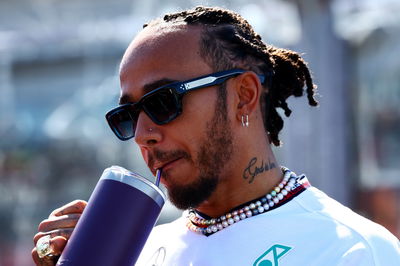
point(253, 169)
point(290, 186)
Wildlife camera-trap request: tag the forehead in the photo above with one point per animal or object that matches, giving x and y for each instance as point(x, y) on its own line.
point(158, 55)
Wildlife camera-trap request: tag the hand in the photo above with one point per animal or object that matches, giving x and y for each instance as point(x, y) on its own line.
point(59, 227)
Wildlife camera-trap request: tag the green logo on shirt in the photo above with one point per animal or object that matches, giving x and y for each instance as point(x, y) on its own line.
point(272, 255)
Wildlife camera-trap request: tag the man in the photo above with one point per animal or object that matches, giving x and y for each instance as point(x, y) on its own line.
point(208, 117)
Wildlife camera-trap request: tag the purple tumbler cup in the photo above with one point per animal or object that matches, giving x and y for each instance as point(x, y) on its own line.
point(117, 221)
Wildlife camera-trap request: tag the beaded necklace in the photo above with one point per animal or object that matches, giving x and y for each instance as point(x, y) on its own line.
point(290, 186)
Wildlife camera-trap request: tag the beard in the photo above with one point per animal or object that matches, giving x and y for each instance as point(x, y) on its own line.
point(215, 150)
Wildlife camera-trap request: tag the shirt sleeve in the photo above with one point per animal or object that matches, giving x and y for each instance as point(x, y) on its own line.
point(380, 253)
point(386, 250)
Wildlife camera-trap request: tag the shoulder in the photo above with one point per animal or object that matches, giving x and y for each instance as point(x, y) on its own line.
point(351, 227)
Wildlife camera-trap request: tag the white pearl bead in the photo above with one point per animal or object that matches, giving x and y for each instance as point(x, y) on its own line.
point(209, 230)
point(260, 209)
point(225, 224)
point(242, 216)
point(269, 196)
point(287, 175)
point(284, 192)
point(271, 204)
point(249, 214)
point(231, 221)
point(214, 228)
point(280, 196)
point(276, 200)
point(258, 203)
point(252, 206)
point(266, 206)
point(220, 227)
point(236, 218)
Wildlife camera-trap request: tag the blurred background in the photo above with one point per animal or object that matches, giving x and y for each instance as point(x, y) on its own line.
point(59, 75)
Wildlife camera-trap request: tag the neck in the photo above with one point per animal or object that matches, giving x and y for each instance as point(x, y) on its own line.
point(253, 174)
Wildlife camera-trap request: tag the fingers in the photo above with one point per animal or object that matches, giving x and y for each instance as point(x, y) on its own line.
point(55, 222)
point(46, 261)
point(76, 206)
point(59, 227)
point(57, 245)
point(63, 232)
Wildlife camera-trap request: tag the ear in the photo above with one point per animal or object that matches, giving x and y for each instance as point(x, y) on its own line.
point(248, 91)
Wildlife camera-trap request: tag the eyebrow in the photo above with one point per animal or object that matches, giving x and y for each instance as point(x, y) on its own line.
point(124, 99)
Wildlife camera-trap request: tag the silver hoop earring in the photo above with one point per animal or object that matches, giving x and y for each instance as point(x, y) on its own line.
point(245, 120)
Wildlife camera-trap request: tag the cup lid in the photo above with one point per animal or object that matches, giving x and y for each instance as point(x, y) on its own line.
point(135, 180)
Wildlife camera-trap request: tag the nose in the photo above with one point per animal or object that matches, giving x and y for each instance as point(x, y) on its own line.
point(147, 132)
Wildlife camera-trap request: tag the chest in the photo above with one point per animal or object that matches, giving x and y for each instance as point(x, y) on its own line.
point(257, 243)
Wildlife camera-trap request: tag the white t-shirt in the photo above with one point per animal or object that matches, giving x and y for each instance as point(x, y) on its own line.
point(311, 229)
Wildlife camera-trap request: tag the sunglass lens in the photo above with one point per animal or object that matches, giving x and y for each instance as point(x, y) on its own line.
point(162, 106)
point(123, 124)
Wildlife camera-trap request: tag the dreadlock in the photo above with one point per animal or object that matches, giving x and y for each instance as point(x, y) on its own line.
point(229, 41)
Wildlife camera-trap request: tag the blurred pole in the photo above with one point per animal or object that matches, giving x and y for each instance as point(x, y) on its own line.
point(6, 92)
point(317, 138)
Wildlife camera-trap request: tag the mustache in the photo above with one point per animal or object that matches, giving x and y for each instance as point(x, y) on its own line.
point(165, 156)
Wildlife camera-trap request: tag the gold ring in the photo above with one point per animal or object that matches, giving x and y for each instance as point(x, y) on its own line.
point(43, 246)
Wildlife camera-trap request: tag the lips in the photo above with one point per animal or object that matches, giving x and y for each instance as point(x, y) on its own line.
point(158, 159)
point(164, 165)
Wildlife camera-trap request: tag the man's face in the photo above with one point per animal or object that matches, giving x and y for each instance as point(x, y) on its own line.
point(194, 149)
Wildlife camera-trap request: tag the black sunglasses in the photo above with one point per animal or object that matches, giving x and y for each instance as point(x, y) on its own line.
point(163, 104)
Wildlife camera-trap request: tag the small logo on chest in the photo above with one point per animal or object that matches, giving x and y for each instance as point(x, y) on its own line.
point(272, 256)
point(158, 257)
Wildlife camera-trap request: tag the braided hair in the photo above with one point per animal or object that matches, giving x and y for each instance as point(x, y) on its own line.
point(229, 41)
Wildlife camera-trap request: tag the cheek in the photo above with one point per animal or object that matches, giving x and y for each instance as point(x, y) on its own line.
point(191, 126)
point(199, 107)
point(145, 154)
